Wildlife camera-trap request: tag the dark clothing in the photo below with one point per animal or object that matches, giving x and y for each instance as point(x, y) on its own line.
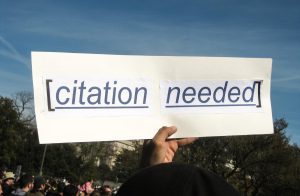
point(35, 193)
point(6, 189)
point(175, 180)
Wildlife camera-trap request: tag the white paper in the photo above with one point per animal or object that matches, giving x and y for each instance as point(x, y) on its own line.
point(93, 97)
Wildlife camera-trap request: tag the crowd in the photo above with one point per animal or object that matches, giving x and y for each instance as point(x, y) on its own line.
point(29, 185)
point(158, 176)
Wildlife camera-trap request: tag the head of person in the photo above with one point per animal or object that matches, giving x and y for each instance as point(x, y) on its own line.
point(60, 188)
point(106, 190)
point(175, 179)
point(39, 183)
point(70, 190)
point(9, 178)
point(91, 180)
point(26, 182)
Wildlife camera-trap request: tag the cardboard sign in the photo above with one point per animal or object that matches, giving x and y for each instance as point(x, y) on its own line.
point(93, 97)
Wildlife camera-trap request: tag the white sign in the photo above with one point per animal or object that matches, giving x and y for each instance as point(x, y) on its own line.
point(92, 97)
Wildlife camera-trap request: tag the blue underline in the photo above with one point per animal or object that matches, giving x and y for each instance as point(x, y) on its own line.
point(103, 107)
point(215, 105)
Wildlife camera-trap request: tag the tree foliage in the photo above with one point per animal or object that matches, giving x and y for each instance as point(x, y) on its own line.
point(23, 104)
point(20, 146)
point(9, 128)
point(127, 162)
point(255, 165)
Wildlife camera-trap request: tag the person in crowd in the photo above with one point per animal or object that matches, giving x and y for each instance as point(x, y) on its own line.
point(52, 188)
point(38, 187)
point(8, 183)
point(1, 192)
point(106, 190)
point(60, 188)
point(70, 190)
point(96, 192)
point(161, 177)
point(87, 188)
point(25, 184)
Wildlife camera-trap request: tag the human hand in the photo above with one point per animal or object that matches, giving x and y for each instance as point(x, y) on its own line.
point(161, 149)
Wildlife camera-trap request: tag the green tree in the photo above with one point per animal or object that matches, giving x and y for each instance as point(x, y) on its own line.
point(127, 162)
point(94, 157)
point(9, 127)
point(23, 104)
point(20, 146)
point(255, 165)
point(61, 161)
point(18, 134)
point(105, 172)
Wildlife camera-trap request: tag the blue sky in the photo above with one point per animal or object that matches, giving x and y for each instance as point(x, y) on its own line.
point(231, 28)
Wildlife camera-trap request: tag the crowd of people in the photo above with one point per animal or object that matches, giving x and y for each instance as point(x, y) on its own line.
point(29, 185)
point(158, 176)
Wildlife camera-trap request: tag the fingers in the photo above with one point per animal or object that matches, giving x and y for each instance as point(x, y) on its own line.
point(164, 132)
point(161, 149)
point(185, 141)
point(169, 156)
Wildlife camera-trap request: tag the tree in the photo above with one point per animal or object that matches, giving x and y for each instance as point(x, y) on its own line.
point(61, 161)
point(9, 126)
point(127, 162)
point(105, 172)
point(23, 103)
point(19, 141)
point(94, 157)
point(255, 165)
point(20, 146)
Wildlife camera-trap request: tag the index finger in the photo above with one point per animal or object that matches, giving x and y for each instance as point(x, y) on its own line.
point(185, 141)
point(164, 132)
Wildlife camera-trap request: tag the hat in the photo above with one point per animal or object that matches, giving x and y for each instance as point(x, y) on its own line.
point(9, 175)
point(175, 179)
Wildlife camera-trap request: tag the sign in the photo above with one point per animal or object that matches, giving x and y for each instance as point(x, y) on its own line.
point(93, 97)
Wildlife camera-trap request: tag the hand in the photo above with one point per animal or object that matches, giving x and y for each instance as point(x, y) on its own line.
point(160, 149)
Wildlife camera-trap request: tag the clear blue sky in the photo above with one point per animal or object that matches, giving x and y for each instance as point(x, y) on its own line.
point(233, 28)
